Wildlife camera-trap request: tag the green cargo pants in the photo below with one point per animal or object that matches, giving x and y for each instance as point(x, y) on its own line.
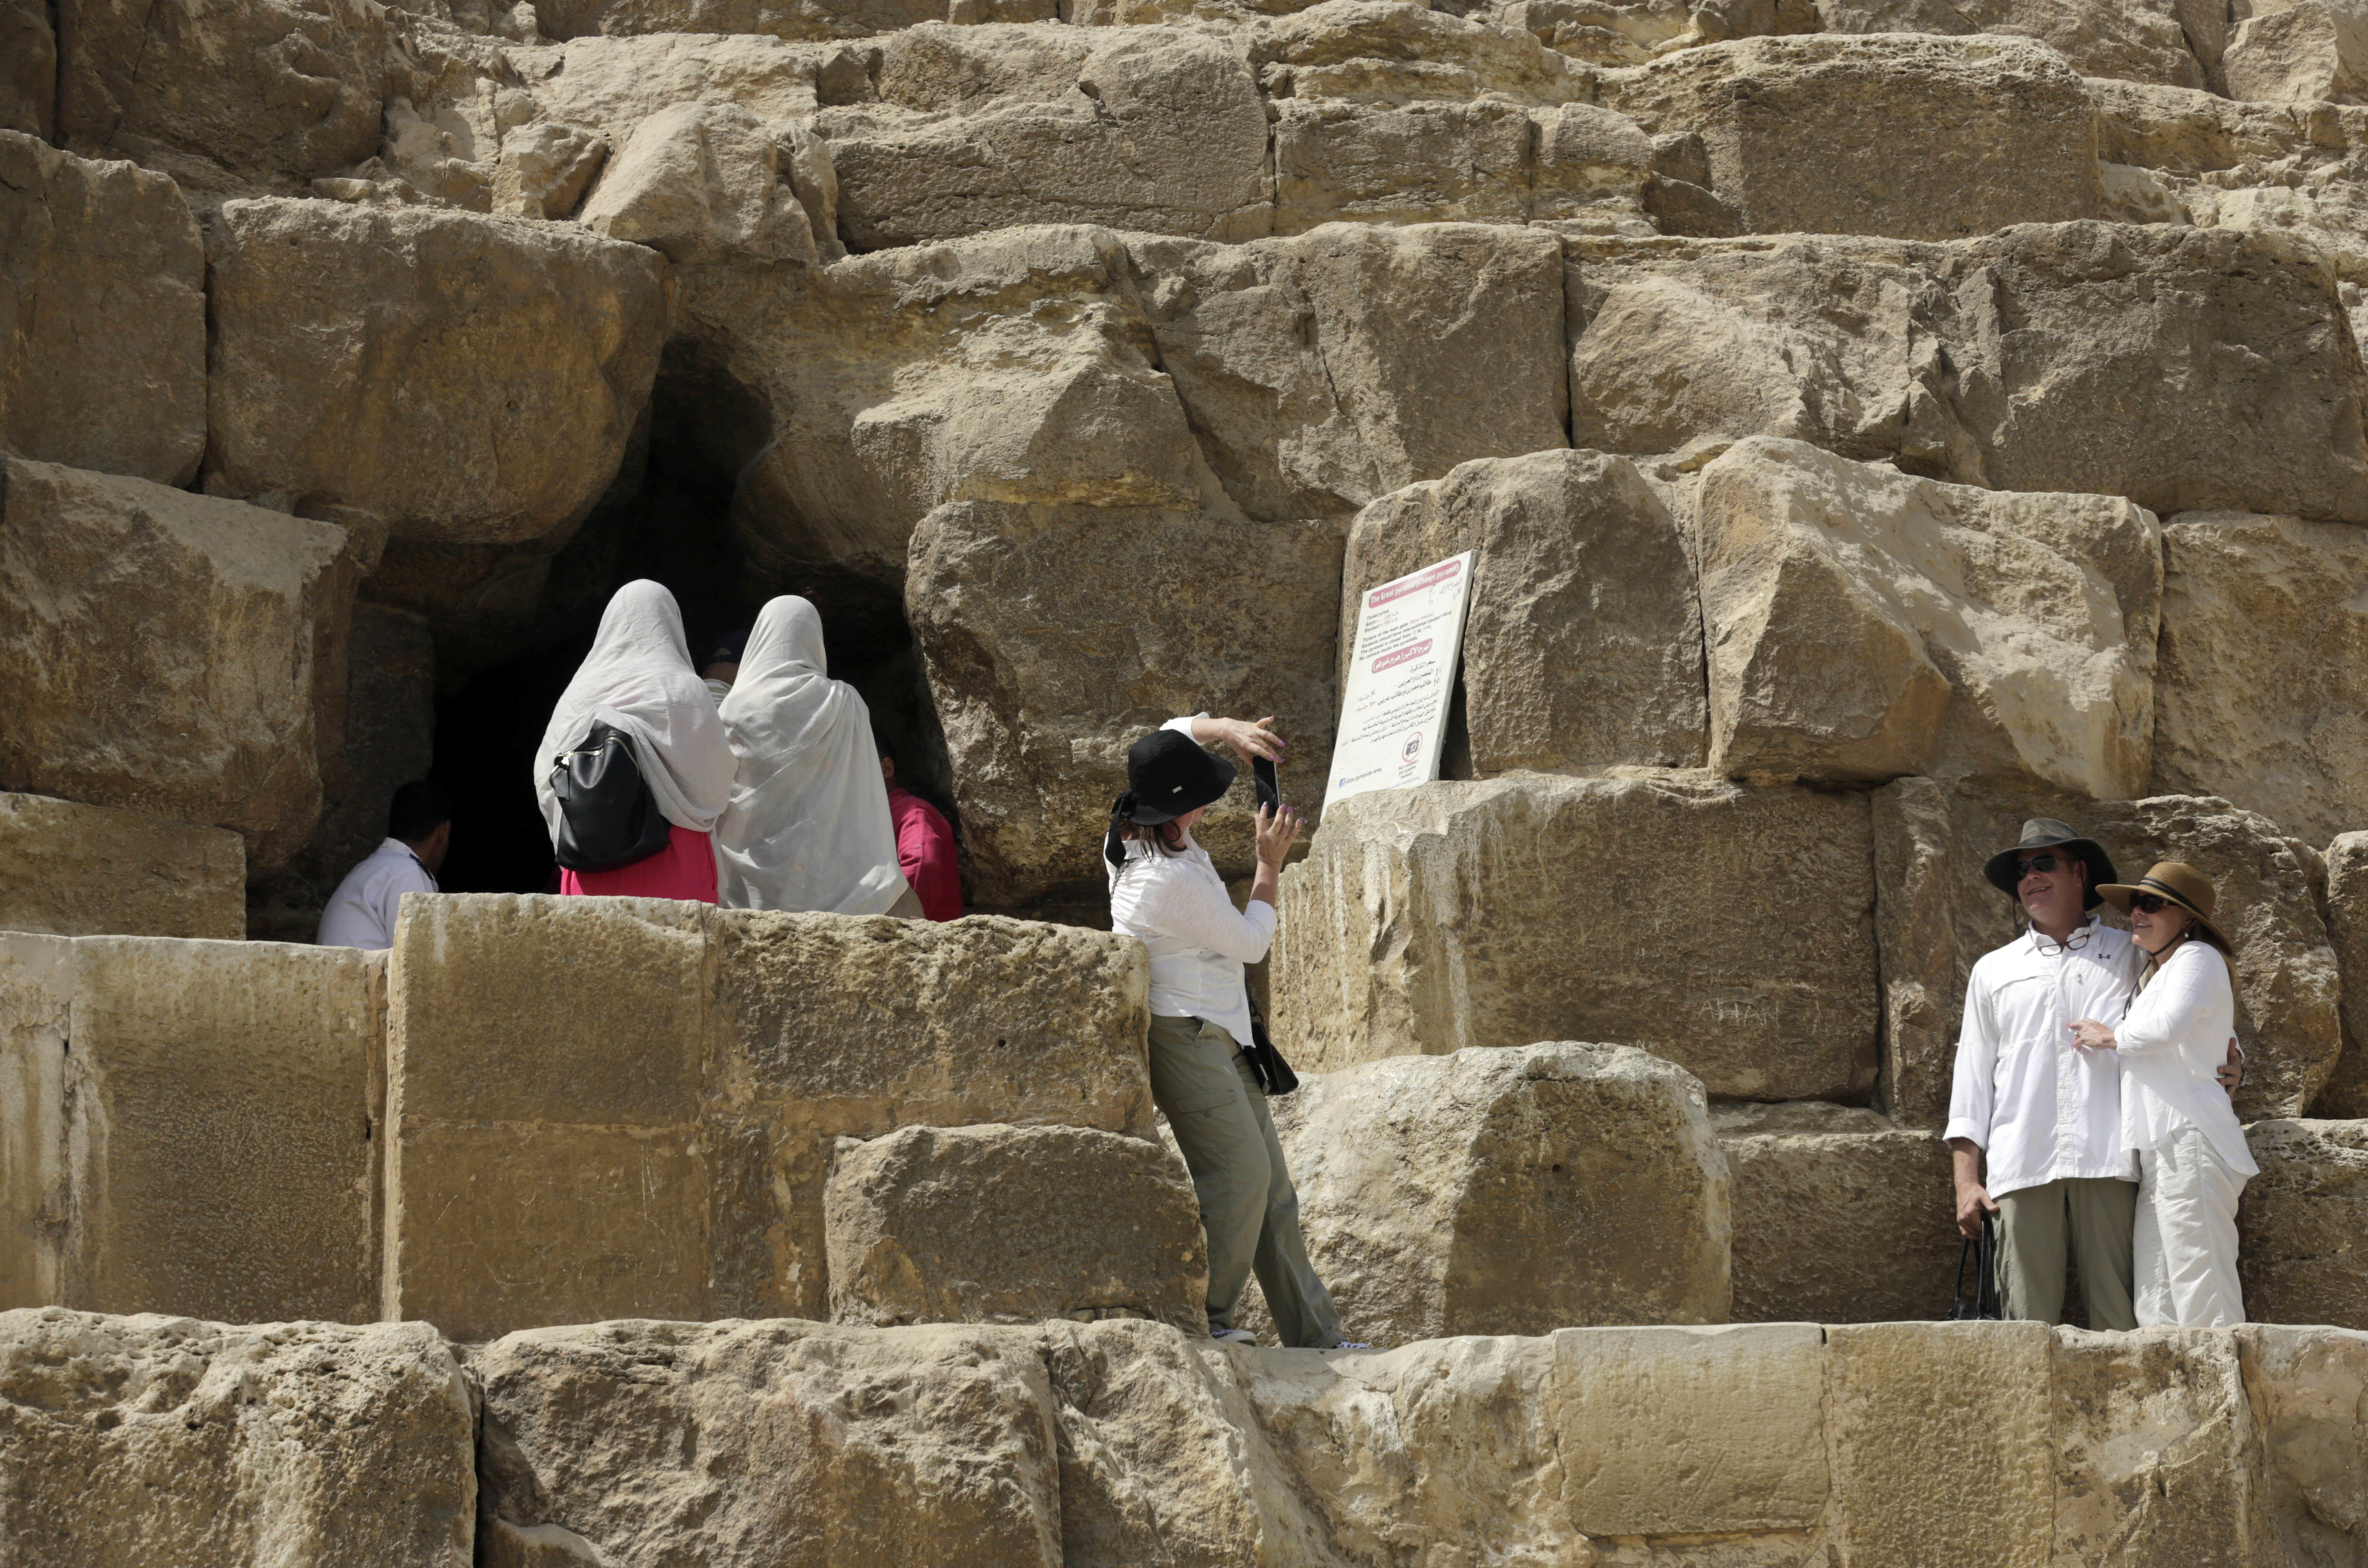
point(2098, 1216)
point(1248, 1208)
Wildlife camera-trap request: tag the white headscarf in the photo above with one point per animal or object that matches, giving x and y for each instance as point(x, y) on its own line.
point(638, 678)
point(808, 827)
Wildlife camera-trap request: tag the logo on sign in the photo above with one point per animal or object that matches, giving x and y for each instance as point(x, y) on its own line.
point(1412, 747)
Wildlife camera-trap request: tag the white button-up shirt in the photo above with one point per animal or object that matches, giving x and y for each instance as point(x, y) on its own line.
point(361, 913)
point(2043, 1108)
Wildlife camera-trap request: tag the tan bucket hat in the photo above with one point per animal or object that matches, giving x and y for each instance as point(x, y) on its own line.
point(2177, 881)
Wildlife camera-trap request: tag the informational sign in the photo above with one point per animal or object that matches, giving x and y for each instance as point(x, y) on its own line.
point(1393, 714)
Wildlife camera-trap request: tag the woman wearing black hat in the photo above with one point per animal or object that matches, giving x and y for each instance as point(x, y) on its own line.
point(1164, 892)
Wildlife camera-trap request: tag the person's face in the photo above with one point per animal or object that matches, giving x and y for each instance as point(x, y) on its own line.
point(2054, 886)
point(888, 771)
point(1192, 819)
point(2159, 929)
point(431, 853)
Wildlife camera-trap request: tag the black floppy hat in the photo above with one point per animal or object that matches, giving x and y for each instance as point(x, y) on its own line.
point(2046, 833)
point(1168, 774)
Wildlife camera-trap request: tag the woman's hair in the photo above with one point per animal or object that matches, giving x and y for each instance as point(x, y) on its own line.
point(1167, 835)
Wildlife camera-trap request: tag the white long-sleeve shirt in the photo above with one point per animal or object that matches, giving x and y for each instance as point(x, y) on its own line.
point(1177, 906)
point(2042, 1109)
point(361, 913)
point(2173, 1041)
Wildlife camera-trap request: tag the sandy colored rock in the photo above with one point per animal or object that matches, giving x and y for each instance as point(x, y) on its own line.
point(1418, 162)
point(2134, 41)
point(1383, 50)
point(2306, 1387)
point(1582, 647)
point(2255, 701)
point(77, 870)
point(1693, 1430)
point(1861, 624)
point(780, 18)
point(1839, 1216)
point(2303, 1223)
point(348, 1448)
point(2310, 53)
point(219, 622)
point(981, 128)
point(1030, 619)
point(102, 286)
point(355, 354)
point(36, 1184)
point(1906, 1401)
point(1012, 1224)
point(1935, 916)
point(2345, 1093)
point(817, 1446)
point(706, 183)
point(1511, 1190)
point(1422, 921)
point(1817, 135)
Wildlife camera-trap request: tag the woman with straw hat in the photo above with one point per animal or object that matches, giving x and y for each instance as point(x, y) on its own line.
point(2193, 1160)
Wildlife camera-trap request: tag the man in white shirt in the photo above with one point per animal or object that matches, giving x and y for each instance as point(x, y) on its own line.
point(2034, 1122)
point(362, 913)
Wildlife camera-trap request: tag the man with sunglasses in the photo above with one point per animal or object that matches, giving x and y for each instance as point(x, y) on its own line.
point(2034, 1123)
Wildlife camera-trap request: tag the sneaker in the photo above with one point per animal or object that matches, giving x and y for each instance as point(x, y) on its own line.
point(1349, 1345)
point(1233, 1335)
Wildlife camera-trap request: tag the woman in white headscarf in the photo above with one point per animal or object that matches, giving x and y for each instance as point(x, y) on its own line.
point(638, 680)
point(808, 826)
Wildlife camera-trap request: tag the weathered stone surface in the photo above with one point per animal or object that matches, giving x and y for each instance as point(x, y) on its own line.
point(1907, 1402)
point(2312, 52)
point(191, 1127)
point(2132, 40)
point(1510, 1190)
point(707, 183)
point(1861, 624)
point(224, 98)
point(29, 68)
point(2303, 1223)
point(102, 286)
point(1815, 134)
point(2346, 1090)
point(2306, 1388)
point(1668, 1431)
point(1012, 1224)
point(157, 1442)
point(1839, 1215)
point(1582, 647)
point(1410, 163)
point(1416, 926)
point(165, 652)
point(462, 378)
point(780, 18)
point(1380, 51)
point(2174, 404)
point(981, 128)
point(1935, 915)
point(2258, 696)
point(817, 1446)
point(1030, 619)
point(75, 871)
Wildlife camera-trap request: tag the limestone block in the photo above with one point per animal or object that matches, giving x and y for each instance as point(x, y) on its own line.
point(1818, 135)
point(225, 99)
point(1582, 647)
point(544, 168)
point(991, 126)
point(1411, 164)
point(2346, 1091)
point(2157, 1454)
point(2314, 51)
point(1935, 915)
point(2132, 40)
point(2256, 694)
point(1500, 913)
point(817, 1447)
point(1326, 370)
point(1381, 51)
point(157, 1442)
point(357, 351)
point(1668, 1431)
point(1030, 619)
point(1861, 624)
point(780, 18)
point(28, 69)
point(77, 870)
point(2307, 1388)
point(2188, 133)
point(218, 623)
point(37, 1193)
point(1013, 1224)
point(2303, 1223)
point(1592, 166)
point(707, 183)
point(1511, 1190)
point(102, 284)
point(1839, 1215)
point(1906, 1401)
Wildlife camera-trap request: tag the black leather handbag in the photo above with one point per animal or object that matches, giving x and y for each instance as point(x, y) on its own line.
point(1983, 1307)
point(1273, 1074)
point(608, 818)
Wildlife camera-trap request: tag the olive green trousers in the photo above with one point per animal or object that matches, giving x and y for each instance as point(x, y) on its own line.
point(2095, 1218)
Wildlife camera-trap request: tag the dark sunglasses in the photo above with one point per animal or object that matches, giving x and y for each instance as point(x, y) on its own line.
point(2152, 903)
point(2042, 864)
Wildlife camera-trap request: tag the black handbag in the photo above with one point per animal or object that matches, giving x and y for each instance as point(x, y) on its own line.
point(608, 818)
point(1983, 1307)
point(1273, 1074)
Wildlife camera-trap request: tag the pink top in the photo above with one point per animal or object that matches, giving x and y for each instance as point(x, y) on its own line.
point(925, 848)
point(685, 869)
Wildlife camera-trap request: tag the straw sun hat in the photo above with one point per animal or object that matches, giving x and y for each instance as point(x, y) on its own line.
point(2179, 883)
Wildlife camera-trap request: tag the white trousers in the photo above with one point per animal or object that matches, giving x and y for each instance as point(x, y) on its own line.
point(2184, 1255)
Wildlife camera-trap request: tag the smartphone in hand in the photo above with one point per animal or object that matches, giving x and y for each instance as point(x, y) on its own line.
point(1270, 793)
